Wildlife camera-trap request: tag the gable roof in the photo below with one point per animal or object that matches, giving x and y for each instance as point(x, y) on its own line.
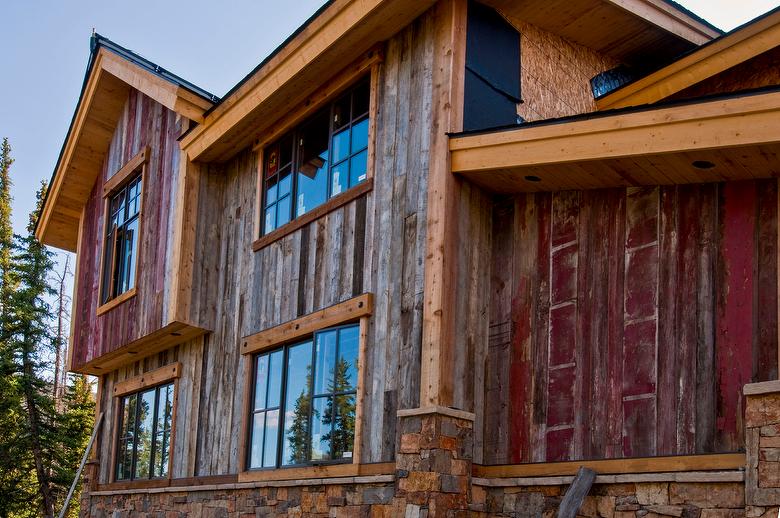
point(743, 43)
point(112, 71)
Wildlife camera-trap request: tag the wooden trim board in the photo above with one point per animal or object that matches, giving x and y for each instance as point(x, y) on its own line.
point(116, 301)
point(350, 310)
point(722, 54)
point(132, 165)
point(719, 462)
point(319, 472)
point(148, 379)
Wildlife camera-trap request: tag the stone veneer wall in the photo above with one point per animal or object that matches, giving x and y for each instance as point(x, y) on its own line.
point(762, 438)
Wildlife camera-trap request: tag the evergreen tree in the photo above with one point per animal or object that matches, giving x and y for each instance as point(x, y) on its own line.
point(298, 435)
point(340, 412)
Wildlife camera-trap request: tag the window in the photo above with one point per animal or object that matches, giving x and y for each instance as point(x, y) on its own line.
point(320, 159)
point(304, 397)
point(144, 443)
point(121, 239)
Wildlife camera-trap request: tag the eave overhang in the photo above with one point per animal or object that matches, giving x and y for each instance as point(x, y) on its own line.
point(738, 46)
point(108, 81)
point(739, 135)
point(337, 36)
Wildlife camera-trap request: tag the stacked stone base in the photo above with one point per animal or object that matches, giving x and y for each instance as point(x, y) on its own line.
point(622, 500)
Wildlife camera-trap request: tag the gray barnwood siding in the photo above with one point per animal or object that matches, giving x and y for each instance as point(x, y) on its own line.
point(374, 244)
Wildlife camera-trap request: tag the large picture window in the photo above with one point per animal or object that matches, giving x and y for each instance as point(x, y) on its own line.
point(121, 239)
point(144, 442)
point(320, 159)
point(303, 404)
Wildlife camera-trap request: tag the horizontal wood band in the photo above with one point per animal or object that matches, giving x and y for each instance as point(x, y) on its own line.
point(765, 387)
point(314, 214)
point(342, 313)
point(116, 301)
point(676, 463)
point(175, 482)
point(686, 477)
point(148, 379)
point(132, 165)
point(310, 474)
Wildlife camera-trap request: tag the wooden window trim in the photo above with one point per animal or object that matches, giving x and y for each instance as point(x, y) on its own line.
point(113, 184)
point(328, 93)
point(332, 204)
point(162, 376)
point(357, 309)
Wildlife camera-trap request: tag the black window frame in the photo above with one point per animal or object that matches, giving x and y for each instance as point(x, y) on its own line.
point(154, 433)
point(279, 460)
point(296, 158)
point(115, 270)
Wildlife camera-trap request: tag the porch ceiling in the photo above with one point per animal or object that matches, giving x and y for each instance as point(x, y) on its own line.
point(731, 138)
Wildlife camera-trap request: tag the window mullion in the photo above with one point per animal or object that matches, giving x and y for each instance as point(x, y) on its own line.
point(155, 415)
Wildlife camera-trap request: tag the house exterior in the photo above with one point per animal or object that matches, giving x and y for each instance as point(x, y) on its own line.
point(430, 258)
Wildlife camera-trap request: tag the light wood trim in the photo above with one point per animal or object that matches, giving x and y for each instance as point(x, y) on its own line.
point(120, 177)
point(360, 397)
point(731, 122)
point(327, 93)
point(373, 114)
point(664, 15)
point(342, 313)
point(436, 356)
point(148, 379)
point(190, 482)
point(725, 53)
point(764, 387)
point(615, 466)
point(247, 367)
point(318, 472)
point(332, 204)
point(116, 301)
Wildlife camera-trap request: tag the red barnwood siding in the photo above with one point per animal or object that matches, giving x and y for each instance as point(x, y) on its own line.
point(144, 122)
point(636, 318)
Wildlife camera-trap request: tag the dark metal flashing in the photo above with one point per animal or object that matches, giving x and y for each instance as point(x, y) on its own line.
point(695, 49)
point(620, 111)
point(97, 41)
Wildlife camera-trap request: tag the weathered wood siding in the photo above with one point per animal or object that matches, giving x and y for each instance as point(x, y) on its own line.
point(624, 323)
point(189, 354)
point(374, 244)
point(143, 122)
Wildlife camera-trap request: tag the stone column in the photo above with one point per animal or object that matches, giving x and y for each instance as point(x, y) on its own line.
point(433, 465)
point(762, 445)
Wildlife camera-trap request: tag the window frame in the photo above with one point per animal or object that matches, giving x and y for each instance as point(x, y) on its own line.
point(358, 311)
point(167, 375)
point(365, 69)
point(135, 168)
point(285, 348)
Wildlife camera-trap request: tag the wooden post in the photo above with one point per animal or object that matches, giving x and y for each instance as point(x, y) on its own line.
point(440, 267)
point(575, 495)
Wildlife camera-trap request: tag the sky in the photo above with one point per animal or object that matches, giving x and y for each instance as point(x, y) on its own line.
point(44, 47)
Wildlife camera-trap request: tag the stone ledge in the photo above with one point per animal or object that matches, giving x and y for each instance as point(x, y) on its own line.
point(765, 387)
point(376, 479)
point(436, 409)
point(683, 476)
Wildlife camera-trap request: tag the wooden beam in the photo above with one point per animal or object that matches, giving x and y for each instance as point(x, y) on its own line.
point(727, 52)
point(575, 495)
point(724, 461)
point(148, 379)
point(129, 168)
point(436, 384)
point(318, 472)
point(723, 123)
point(671, 19)
point(348, 311)
point(343, 31)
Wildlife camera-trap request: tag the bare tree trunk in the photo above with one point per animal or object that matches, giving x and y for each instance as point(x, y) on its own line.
point(60, 339)
point(44, 484)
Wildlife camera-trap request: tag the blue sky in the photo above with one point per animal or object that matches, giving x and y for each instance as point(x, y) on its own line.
point(46, 45)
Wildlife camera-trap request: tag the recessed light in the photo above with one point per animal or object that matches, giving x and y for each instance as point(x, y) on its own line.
point(532, 178)
point(702, 164)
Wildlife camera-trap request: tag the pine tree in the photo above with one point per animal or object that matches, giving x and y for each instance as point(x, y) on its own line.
point(340, 412)
point(28, 327)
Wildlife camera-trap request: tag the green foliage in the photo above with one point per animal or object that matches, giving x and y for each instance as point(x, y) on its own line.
point(340, 412)
point(40, 446)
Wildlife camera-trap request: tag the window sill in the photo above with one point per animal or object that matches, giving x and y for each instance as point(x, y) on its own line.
point(111, 304)
point(156, 483)
point(329, 206)
point(318, 472)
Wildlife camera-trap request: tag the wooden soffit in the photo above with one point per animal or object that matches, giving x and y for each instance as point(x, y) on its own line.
point(722, 54)
point(338, 36)
point(102, 100)
point(172, 334)
point(730, 138)
point(631, 31)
